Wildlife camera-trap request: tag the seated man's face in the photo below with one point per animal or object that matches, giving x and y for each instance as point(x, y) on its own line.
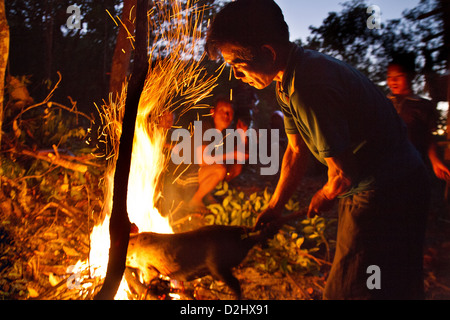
point(223, 115)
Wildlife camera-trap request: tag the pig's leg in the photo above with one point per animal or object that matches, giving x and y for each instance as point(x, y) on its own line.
point(225, 275)
point(134, 284)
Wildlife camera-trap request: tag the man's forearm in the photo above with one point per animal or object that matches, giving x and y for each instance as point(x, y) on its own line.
point(336, 186)
point(292, 170)
point(341, 173)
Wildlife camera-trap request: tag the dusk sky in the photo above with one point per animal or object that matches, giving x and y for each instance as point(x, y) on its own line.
point(300, 14)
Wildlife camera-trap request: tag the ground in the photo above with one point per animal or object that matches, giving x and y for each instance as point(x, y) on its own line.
point(282, 286)
point(38, 246)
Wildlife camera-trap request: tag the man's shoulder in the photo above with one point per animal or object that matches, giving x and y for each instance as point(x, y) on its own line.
point(314, 68)
point(420, 101)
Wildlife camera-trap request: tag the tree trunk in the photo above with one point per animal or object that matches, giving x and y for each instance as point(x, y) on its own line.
point(119, 227)
point(48, 36)
point(4, 52)
point(122, 51)
point(445, 7)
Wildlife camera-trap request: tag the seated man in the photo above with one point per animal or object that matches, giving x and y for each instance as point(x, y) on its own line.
point(192, 183)
point(209, 176)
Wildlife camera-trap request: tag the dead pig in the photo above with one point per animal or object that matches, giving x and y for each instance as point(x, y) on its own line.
point(212, 250)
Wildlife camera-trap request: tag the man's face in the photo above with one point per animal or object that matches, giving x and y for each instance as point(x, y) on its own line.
point(223, 115)
point(258, 75)
point(397, 80)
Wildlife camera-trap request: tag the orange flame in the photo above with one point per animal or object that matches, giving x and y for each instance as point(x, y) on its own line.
point(175, 79)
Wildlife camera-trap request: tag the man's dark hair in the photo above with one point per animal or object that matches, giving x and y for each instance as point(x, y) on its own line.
point(248, 24)
point(223, 99)
point(406, 61)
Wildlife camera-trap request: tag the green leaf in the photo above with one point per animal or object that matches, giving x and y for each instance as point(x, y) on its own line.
point(288, 205)
point(267, 195)
point(299, 242)
point(216, 208)
point(226, 201)
point(246, 214)
point(235, 204)
point(257, 205)
point(220, 193)
point(209, 219)
point(308, 230)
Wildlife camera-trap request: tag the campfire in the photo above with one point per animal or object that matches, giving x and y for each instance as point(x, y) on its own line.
point(175, 78)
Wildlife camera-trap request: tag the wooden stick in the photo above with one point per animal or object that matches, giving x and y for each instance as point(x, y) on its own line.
point(53, 159)
point(120, 226)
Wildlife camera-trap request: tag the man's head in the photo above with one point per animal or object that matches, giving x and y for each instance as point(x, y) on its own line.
point(222, 114)
point(249, 35)
point(400, 74)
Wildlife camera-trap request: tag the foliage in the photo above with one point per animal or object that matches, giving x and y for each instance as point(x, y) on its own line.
point(345, 35)
point(293, 248)
point(46, 153)
point(49, 192)
point(236, 208)
point(41, 45)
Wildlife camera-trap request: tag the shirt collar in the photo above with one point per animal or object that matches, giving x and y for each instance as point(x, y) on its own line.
point(413, 97)
point(292, 60)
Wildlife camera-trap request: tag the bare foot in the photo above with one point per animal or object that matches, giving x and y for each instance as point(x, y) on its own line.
point(197, 207)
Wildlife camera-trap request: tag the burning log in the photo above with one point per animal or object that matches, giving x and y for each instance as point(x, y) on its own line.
point(120, 223)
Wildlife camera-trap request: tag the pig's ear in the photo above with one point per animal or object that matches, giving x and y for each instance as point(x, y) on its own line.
point(134, 229)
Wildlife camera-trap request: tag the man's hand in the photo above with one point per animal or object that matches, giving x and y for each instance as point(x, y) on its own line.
point(441, 171)
point(241, 125)
point(266, 217)
point(292, 170)
point(341, 169)
point(319, 204)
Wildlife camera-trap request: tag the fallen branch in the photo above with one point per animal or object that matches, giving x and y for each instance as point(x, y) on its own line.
point(51, 103)
point(304, 293)
point(55, 160)
point(69, 211)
